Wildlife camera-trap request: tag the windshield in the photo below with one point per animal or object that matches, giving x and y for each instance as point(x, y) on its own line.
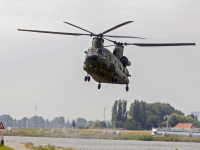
point(92, 51)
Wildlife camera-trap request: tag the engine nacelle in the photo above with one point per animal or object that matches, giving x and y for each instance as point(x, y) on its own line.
point(125, 61)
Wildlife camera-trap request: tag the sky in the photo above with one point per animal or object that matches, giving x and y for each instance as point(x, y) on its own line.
point(48, 70)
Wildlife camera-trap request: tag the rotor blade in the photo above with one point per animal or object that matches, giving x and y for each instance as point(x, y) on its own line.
point(116, 36)
point(50, 32)
point(159, 44)
point(117, 26)
point(109, 45)
point(78, 27)
point(110, 40)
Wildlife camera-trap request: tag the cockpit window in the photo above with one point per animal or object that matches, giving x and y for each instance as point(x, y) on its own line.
point(91, 50)
point(101, 52)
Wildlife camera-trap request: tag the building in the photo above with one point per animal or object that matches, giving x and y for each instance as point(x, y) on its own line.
point(185, 126)
point(195, 113)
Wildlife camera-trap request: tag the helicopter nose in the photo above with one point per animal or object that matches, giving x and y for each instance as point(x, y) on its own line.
point(92, 57)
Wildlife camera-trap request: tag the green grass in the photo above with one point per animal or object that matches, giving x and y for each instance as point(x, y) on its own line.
point(5, 148)
point(48, 147)
point(96, 134)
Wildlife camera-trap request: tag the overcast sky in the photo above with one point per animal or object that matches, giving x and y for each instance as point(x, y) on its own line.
point(49, 68)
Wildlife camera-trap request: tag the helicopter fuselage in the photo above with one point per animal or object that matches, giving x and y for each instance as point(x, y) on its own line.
point(104, 67)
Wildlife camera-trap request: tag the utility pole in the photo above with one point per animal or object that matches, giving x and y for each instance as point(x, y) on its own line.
point(168, 117)
point(104, 112)
point(36, 108)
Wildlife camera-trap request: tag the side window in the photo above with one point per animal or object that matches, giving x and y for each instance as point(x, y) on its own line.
point(104, 53)
point(99, 51)
point(109, 58)
point(89, 50)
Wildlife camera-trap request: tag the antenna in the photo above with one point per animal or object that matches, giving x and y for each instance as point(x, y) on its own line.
point(104, 112)
point(36, 108)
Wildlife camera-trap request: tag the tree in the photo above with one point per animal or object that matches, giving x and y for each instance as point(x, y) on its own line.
point(142, 113)
point(37, 122)
point(47, 123)
point(99, 124)
point(15, 123)
point(176, 118)
point(7, 120)
point(67, 124)
point(119, 114)
point(58, 122)
point(161, 109)
point(73, 123)
point(81, 122)
point(193, 116)
point(136, 111)
point(130, 124)
point(24, 122)
point(119, 111)
point(153, 120)
point(124, 110)
point(114, 111)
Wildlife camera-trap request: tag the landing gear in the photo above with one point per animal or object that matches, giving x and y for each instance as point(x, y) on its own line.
point(127, 88)
point(114, 80)
point(99, 85)
point(87, 78)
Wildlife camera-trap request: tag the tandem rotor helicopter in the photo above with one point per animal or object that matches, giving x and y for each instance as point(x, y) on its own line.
point(105, 66)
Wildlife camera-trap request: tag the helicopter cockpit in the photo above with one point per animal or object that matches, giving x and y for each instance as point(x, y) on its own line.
point(91, 51)
point(100, 51)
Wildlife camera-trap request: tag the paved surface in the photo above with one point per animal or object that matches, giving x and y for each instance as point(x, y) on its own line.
point(16, 146)
point(96, 144)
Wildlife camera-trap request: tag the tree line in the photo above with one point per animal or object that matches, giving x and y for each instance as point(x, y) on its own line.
point(142, 115)
point(40, 122)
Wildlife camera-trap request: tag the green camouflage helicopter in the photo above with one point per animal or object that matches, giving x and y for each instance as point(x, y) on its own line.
point(105, 66)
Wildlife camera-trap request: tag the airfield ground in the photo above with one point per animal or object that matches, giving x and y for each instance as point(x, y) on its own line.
point(75, 133)
point(94, 134)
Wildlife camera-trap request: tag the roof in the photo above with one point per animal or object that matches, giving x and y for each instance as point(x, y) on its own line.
point(185, 125)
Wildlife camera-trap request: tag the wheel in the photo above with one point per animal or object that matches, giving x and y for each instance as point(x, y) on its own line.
point(88, 78)
point(127, 88)
point(99, 85)
point(115, 80)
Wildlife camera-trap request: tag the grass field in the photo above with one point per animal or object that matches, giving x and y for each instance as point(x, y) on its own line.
point(5, 148)
point(76, 133)
point(95, 134)
point(48, 147)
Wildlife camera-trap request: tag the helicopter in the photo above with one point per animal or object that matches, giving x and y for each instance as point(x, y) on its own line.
point(103, 65)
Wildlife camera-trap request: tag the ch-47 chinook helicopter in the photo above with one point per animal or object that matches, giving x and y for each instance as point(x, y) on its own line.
point(105, 66)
